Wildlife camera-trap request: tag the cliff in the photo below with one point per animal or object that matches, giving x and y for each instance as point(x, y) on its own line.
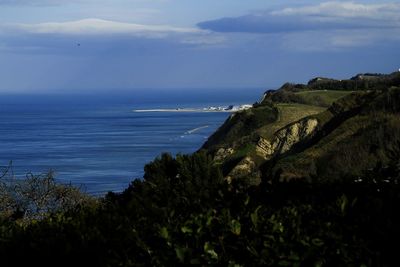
point(319, 131)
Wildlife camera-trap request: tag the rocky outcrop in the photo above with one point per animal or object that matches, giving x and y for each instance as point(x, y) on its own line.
point(223, 153)
point(294, 133)
point(265, 148)
point(246, 168)
point(283, 141)
point(287, 137)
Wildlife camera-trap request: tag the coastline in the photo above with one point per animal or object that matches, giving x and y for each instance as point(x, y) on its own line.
point(180, 110)
point(229, 109)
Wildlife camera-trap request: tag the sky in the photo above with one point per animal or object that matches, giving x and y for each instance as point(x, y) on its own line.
point(110, 45)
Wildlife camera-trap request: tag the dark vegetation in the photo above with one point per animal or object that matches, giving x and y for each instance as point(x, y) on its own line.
point(360, 82)
point(35, 196)
point(341, 211)
point(184, 212)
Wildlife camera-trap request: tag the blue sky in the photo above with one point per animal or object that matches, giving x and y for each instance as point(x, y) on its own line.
point(105, 45)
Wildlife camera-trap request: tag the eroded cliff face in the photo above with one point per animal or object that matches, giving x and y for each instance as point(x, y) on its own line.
point(285, 138)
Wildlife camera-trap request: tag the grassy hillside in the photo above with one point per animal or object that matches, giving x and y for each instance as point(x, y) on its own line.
point(323, 98)
point(312, 128)
point(348, 144)
point(269, 116)
point(241, 125)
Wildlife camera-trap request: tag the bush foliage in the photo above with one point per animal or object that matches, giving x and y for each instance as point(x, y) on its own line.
point(184, 212)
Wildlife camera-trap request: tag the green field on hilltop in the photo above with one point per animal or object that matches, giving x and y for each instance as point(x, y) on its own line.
point(322, 98)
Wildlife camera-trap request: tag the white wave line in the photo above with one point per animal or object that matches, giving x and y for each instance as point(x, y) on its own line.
point(196, 129)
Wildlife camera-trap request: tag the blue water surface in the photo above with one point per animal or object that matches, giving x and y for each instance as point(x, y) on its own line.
point(96, 140)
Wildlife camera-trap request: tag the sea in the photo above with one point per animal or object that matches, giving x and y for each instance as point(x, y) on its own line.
point(97, 142)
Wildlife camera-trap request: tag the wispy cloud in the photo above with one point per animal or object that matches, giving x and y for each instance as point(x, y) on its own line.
point(385, 11)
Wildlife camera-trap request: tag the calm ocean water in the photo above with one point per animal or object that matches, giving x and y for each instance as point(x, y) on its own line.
point(97, 141)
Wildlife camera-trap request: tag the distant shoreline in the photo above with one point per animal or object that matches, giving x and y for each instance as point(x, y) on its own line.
point(180, 110)
point(230, 108)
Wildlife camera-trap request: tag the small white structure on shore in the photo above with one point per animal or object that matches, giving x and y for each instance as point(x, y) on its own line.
point(230, 108)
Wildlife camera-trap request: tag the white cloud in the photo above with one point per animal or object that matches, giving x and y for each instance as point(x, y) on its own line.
point(57, 36)
point(102, 27)
point(383, 11)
